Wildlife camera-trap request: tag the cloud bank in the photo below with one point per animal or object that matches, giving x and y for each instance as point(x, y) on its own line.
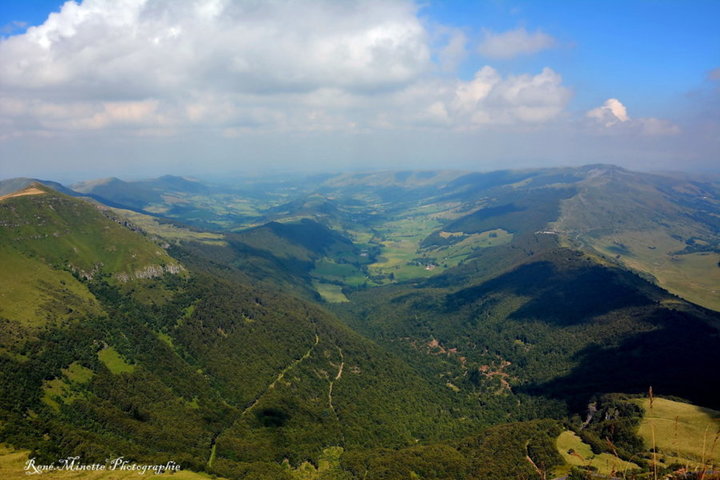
point(115, 74)
point(158, 67)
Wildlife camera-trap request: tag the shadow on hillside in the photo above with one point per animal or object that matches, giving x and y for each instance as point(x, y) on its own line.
point(679, 358)
point(559, 296)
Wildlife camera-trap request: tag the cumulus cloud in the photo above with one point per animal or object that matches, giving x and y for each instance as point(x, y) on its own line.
point(612, 116)
point(99, 63)
point(489, 98)
point(514, 43)
point(610, 113)
point(233, 67)
point(147, 46)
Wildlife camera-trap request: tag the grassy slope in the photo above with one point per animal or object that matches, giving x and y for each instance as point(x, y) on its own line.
point(46, 236)
point(31, 291)
point(645, 222)
point(64, 231)
point(682, 430)
point(694, 276)
point(169, 231)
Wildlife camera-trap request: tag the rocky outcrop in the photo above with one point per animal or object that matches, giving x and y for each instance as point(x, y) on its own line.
point(150, 271)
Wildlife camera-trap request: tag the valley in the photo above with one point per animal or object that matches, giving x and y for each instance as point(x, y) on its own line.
point(384, 325)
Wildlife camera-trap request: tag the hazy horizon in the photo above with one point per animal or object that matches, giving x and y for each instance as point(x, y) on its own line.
point(232, 177)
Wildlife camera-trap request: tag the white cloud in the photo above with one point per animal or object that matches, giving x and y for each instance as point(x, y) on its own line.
point(231, 67)
point(610, 113)
point(147, 46)
point(514, 43)
point(489, 98)
point(612, 116)
point(220, 62)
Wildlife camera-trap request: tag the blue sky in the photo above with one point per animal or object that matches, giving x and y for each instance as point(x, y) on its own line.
point(623, 48)
point(32, 12)
point(153, 85)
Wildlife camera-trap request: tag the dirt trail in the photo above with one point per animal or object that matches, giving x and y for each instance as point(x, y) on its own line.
point(282, 374)
point(332, 382)
point(338, 376)
point(542, 474)
point(22, 193)
point(270, 387)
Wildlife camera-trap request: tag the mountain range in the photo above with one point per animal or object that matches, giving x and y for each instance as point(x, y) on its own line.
point(385, 325)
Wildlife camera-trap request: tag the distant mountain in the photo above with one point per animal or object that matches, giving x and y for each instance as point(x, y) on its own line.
point(663, 226)
point(139, 194)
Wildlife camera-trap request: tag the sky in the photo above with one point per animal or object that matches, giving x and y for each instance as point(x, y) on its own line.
point(138, 88)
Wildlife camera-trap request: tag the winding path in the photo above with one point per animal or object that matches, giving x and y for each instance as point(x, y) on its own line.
point(337, 377)
point(270, 387)
point(282, 374)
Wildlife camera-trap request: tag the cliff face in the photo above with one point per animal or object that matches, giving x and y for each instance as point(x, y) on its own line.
point(150, 271)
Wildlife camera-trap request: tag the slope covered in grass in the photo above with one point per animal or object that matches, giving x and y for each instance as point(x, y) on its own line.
point(681, 431)
point(68, 233)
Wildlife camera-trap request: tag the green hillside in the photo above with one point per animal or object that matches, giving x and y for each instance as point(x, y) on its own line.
point(49, 242)
point(555, 324)
point(72, 234)
point(683, 433)
point(663, 226)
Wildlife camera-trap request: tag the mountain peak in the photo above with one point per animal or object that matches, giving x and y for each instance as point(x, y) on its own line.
point(35, 188)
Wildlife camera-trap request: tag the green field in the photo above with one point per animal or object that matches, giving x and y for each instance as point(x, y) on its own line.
point(686, 432)
point(577, 453)
point(170, 232)
point(399, 241)
point(77, 373)
point(114, 361)
point(330, 293)
point(346, 273)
